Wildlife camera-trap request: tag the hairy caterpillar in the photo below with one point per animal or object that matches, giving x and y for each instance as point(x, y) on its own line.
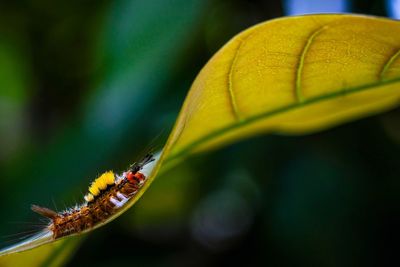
point(107, 195)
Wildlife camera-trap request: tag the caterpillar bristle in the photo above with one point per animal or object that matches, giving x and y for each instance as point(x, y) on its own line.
point(46, 212)
point(41, 238)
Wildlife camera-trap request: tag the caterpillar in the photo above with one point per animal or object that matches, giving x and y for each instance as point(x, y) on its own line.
point(107, 195)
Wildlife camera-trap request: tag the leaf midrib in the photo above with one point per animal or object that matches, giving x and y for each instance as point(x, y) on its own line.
point(255, 118)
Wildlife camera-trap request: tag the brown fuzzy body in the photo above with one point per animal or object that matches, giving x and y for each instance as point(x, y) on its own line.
point(95, 212)
point(108, 194)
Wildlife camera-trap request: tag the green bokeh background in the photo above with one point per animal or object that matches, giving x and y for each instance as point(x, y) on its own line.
point(88, 86)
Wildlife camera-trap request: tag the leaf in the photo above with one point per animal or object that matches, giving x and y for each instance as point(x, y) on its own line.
point(292, 75)
point(54, 254)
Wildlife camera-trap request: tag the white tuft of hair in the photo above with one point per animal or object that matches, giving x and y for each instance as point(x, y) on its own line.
point(148, 168)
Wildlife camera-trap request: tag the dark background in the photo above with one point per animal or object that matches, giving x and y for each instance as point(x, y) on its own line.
point(87, 86)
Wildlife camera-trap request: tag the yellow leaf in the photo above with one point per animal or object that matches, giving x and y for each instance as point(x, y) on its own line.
point(54, 254)
point(291, 75)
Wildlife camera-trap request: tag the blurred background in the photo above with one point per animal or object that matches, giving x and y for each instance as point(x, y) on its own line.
point(87, 86)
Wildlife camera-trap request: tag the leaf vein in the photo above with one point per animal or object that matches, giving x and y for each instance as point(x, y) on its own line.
point(388, 63)
point(232, 97)
point(300, 66)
